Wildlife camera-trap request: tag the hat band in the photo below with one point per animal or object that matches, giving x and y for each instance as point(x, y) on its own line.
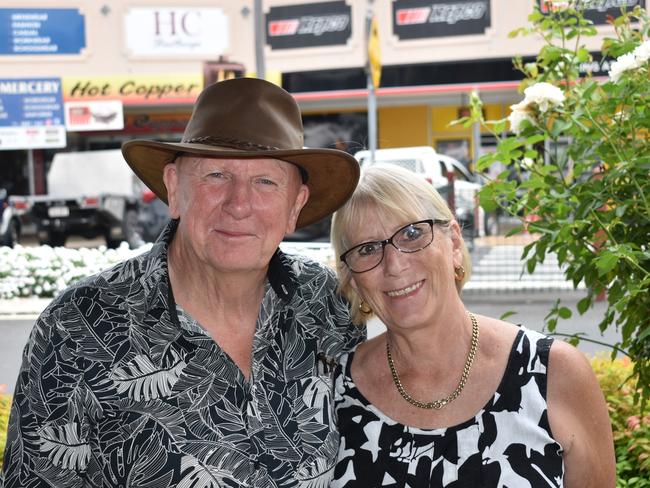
point(228, 142)
point(243, 146)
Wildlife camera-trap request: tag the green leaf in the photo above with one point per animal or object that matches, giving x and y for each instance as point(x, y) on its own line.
point(583, 305)
point(606, 262)
point(564, 312)
point(507, 314)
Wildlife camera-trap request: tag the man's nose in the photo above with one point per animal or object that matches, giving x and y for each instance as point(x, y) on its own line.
point(238, 201)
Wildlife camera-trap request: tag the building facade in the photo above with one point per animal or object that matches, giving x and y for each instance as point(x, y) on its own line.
point(132, 68)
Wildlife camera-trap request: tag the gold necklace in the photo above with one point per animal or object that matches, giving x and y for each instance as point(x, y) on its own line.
point(438, 404)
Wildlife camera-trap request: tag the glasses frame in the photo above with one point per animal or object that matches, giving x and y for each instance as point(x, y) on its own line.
point(390, 241)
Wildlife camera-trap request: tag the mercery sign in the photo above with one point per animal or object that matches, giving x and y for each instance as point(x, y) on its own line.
point(599, 10)
point(180, 89)
point(308, 25)
point(415, 19)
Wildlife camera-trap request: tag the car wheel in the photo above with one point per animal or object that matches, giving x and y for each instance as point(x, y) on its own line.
point(54, 239)
point(132, 229)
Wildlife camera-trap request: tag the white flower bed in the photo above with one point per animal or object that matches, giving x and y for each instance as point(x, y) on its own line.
point(44, 271)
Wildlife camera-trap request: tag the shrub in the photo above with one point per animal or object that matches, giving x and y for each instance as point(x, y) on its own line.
point(631, 429)
point(5, 408)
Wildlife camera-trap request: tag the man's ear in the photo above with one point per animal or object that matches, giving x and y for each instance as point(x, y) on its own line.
point(300, 201)
point(170, 178)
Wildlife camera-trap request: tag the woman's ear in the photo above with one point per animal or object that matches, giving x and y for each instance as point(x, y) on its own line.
point(456, 243)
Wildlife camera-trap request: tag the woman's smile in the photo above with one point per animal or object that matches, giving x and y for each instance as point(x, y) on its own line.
point(401, 292)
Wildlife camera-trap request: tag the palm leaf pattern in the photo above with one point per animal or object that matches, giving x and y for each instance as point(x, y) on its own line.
point(121, 387)
point(65, 448)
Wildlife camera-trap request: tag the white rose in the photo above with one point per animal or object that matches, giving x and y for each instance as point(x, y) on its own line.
point(642, 53)
point(516, 117)
point(622, 64)
point(544, 95)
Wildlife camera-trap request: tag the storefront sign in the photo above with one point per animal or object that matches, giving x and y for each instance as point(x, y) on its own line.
point(30, 31)
point(135, 89)
point(599, 10)
point(415, 19)
point(161, 31)
point(31, 113)
point(156, 123)
point(94, 115)
point(308, 25)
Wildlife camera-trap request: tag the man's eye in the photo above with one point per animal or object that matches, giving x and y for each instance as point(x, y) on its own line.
point(369, 248)
point(216, 174)
point(266, 181)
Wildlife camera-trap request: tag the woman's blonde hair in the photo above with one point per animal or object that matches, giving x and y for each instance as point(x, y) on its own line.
point(391, 190)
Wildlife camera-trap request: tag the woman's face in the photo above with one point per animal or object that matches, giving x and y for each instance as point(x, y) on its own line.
point(407, 290)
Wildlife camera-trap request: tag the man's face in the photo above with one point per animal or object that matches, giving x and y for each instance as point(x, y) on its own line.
point(233, 212)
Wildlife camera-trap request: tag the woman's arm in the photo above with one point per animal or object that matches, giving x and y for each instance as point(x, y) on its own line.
point(579, 420)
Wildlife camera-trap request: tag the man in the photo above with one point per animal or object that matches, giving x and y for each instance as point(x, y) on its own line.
point(200, 363)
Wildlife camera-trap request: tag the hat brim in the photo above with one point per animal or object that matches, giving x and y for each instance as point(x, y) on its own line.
point(333, 174)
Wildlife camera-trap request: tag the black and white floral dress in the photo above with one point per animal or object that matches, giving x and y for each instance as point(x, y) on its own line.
point(508, 444)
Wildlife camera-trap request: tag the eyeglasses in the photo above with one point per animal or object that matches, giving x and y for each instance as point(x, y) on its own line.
point(411, 238)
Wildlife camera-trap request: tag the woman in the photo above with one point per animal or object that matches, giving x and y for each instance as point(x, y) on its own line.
point(446, 397)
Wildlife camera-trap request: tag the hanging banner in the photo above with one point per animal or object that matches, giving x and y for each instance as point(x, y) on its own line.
point(31, 113)
point(30, 31)
point(416, 19)
point(309, 25)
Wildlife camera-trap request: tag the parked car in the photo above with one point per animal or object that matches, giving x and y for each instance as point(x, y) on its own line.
point(435, 168)
point(9, 222)
point(90, 194)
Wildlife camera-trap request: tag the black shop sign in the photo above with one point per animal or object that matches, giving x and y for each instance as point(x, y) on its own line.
point(415, 19)
point(308, 25)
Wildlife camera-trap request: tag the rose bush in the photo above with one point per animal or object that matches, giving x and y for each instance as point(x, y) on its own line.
point(579, 148)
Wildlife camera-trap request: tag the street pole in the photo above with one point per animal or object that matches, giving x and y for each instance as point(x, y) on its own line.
point(30, 171)
point(372, 97)
point(260, 40)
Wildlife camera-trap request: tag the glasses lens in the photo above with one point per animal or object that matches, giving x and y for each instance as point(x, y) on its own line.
point(364, 256)
point(414, 237)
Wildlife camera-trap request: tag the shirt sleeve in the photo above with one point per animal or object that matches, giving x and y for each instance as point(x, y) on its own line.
point(343, 334)
point(46, 438)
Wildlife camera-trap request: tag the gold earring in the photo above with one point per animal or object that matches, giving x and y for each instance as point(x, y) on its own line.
point(459, 273)
point(364, 308)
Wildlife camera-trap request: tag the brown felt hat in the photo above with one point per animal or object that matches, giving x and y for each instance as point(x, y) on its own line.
point(251, 118)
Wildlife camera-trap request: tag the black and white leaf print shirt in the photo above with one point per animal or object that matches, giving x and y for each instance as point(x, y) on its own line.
point(120, 388)
point(508, 444)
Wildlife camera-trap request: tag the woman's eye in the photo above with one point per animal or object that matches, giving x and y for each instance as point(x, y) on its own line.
point(411, 232)
point(369, 249)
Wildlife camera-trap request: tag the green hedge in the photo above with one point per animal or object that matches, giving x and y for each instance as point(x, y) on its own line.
point(631, 430)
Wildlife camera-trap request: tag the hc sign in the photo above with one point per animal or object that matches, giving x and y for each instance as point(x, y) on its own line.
point(162, 31)
point(173, 22)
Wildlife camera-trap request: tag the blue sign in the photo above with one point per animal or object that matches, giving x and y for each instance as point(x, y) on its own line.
point(32, 31)
point(30, 102)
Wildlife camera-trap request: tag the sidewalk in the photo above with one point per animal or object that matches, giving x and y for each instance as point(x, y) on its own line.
point(23, 308)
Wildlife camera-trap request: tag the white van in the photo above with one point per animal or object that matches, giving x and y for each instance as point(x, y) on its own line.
point(434, 167)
